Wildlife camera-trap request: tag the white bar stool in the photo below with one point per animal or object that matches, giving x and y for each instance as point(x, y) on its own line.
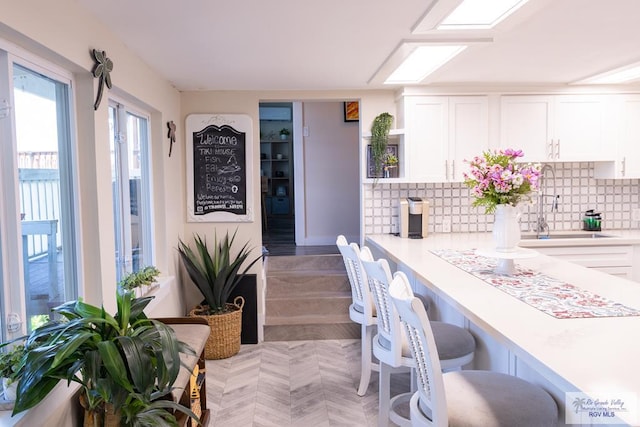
point(361, 310)
point(464, 398)
point(391, 345)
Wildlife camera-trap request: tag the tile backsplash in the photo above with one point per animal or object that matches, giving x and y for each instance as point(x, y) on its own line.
point(573, 182)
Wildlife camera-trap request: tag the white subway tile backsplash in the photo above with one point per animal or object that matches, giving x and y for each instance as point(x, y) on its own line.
point(578, 192)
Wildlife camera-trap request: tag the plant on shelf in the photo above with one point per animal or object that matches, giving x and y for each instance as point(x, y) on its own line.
point(390, 161)
point(126, 364)
point(139, 279)
point(284, 133)
point(379, 140)
point(10, 362)
point(216, 272)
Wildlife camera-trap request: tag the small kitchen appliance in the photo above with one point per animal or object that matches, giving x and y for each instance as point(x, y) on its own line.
point(414, 217)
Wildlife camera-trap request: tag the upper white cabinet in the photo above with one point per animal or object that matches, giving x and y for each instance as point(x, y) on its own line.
point(558, 127)
point(626, 110)
point(441, 132)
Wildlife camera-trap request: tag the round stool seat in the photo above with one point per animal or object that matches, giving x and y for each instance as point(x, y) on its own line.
point(452, 342)
point(491, 399)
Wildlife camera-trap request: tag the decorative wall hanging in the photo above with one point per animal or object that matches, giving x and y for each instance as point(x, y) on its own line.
point(101, 71)
point(171, 135)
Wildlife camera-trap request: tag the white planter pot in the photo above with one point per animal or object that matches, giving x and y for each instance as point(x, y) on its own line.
point(10, 390)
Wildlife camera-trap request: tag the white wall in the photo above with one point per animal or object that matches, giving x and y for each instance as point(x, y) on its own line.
point(331, 175)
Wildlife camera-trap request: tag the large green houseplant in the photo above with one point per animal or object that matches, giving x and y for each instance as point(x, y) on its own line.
point(216, 271)
point(126, 364)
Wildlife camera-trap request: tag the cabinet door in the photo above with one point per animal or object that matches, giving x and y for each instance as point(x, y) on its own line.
point(468, 132)
point(629, 145)
point(526, 124)
point(582, 128)
point(426, 129)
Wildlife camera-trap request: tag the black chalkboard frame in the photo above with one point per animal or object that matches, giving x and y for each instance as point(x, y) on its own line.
point(241, 123)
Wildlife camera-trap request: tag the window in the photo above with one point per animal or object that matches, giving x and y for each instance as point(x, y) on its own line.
point(130, 172)
point(37, 171)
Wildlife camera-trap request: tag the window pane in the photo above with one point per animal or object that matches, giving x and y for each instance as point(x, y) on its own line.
point(43, 141)
point(116, 180)
point(137, 144)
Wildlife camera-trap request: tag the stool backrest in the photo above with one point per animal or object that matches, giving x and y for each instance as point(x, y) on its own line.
point(360, 294)
point(423, 348)
point(389, 327)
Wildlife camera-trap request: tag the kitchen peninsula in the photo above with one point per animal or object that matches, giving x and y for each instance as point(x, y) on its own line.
point(582, 354)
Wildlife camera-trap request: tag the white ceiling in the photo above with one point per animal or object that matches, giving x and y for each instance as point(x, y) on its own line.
point(340, 44)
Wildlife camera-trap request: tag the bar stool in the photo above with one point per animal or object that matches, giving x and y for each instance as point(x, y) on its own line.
point(361, 310)
point(463, 398)
point(391, 347)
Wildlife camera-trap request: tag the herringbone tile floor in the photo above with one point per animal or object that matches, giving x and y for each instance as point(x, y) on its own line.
point(293, 383)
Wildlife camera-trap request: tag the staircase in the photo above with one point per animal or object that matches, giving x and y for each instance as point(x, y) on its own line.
point(307, 298)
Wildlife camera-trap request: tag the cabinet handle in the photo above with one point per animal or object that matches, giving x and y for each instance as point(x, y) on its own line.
point(453, 169)
point(558, 149)
point(550, 150)
point(446, 169)
point(624, 166)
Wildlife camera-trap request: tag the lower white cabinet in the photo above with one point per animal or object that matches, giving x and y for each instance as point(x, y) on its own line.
point(616, 260)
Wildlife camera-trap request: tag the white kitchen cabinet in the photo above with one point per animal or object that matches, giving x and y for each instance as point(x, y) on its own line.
point(441, 132)
point(614, 259)
point(627, 127)
point(558, 127)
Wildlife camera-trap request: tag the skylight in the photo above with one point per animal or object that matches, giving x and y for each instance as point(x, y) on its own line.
point(423, 61)
point(619, 75)
point(479, 14)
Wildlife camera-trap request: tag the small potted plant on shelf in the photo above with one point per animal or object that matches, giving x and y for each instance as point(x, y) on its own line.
point(10, 362)
point(390, 162)
point(216, 272)
point(126, 364)
point(140, 282)
point(284, 133)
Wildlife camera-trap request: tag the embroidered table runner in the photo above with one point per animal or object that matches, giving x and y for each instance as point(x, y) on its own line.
point(553, 297)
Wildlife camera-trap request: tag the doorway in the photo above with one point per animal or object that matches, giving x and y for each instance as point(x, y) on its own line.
point(276, 173)
point(322, 190)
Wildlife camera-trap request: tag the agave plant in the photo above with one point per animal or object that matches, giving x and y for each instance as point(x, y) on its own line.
point(127, 362)
point(216, 273)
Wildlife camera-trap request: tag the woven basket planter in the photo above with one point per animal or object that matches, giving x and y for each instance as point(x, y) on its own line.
point(224, 339)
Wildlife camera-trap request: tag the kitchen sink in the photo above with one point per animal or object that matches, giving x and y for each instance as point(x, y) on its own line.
point(555, 236)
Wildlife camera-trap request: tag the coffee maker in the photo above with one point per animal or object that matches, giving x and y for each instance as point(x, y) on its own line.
point(414, 218)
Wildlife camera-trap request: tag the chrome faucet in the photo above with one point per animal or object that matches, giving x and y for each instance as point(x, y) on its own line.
point(541, 223)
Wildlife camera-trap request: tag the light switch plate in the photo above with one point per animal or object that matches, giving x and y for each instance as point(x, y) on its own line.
point(635, 214)
point(446, 225)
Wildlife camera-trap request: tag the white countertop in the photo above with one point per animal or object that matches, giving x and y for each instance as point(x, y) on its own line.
point(588, 355)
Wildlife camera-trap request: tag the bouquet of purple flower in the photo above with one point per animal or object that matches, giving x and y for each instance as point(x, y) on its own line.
point(495, 178)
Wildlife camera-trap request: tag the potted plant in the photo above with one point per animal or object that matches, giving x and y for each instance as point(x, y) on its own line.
point(379, 140)
point(126, 364)
point(284, 133)
point(216, 272)
point(140, 282)
point(10, 362)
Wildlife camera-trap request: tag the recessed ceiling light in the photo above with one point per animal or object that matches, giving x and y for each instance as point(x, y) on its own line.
point(479, 14)
point(423, 61)
point(619, 75)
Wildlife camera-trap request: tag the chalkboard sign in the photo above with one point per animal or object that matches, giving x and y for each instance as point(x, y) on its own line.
point(219, 180)
point(218, 171)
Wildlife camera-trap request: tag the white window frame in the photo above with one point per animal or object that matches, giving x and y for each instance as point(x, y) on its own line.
point(11, 270)
point(124, 266)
